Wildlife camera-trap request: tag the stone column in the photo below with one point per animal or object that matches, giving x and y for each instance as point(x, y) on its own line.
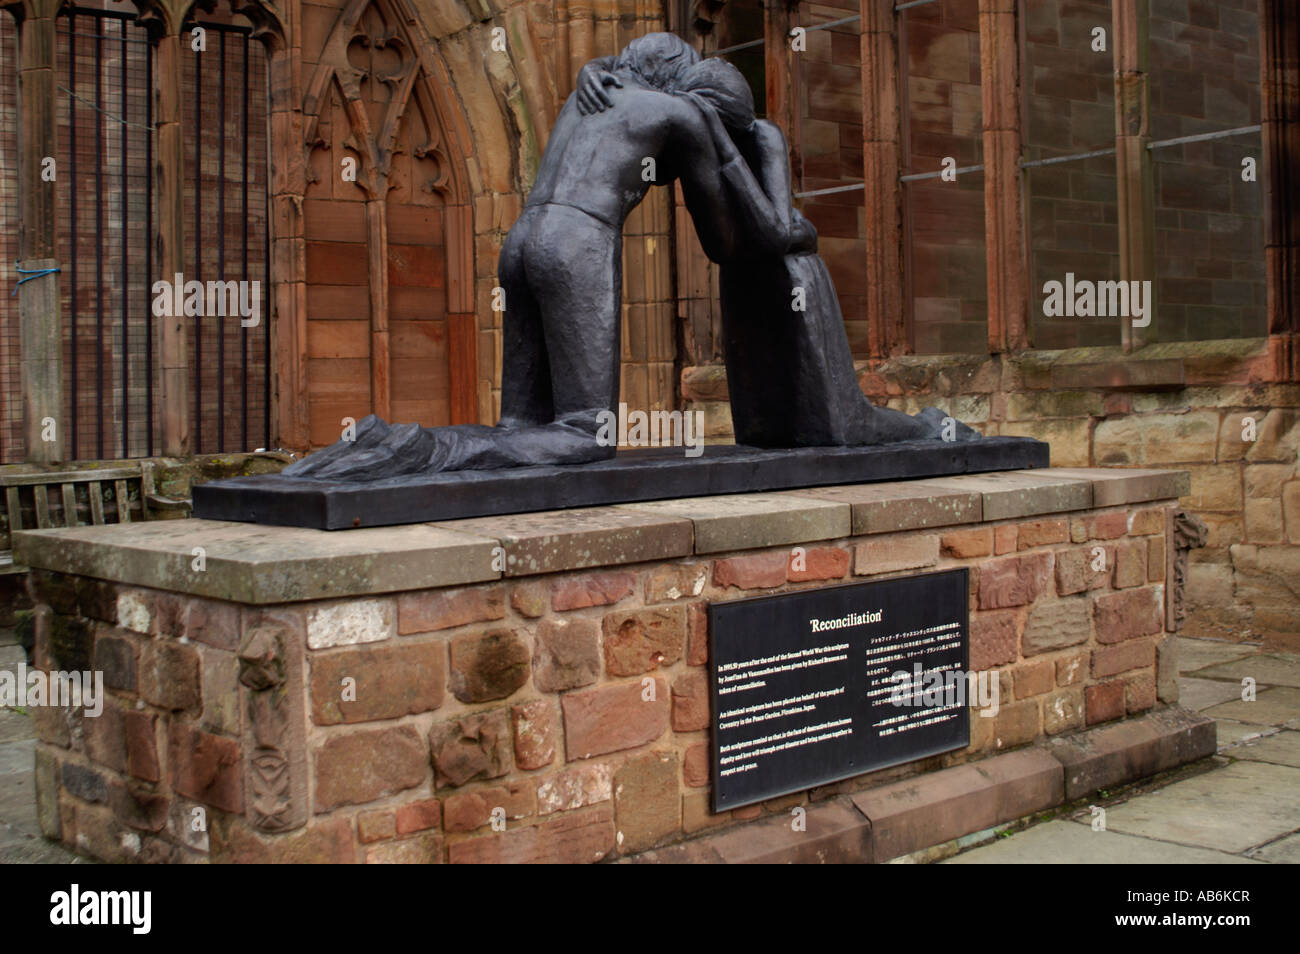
point(881, 162)
point(169, 235)
point(1134, 178)
point(1280, 83)
point(1003, 221)
point(41, 334)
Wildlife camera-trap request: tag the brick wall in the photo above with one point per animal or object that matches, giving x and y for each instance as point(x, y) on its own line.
point(571, 705)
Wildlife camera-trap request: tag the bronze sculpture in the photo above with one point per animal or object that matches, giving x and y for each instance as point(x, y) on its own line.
point(657, 107)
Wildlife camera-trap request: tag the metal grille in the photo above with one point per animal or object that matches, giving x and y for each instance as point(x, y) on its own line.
point(224, 94)
point(105, 168)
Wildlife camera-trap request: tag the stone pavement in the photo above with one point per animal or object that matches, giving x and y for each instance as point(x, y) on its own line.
point(1243, 807)
point(20, 835)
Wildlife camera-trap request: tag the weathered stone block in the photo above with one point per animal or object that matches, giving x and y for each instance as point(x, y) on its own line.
point(474, 747)
point(365, 684)
point(487, 666)
point(640, 641)
point(616, 717)
point(358, 767)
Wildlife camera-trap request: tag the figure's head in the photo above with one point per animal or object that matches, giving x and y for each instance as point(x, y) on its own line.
point(659, 59)
point(724, 88)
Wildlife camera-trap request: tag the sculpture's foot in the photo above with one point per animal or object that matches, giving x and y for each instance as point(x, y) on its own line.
point(370, 432)
point(381, 450)
point(890, 426)
point(405, 450)
point(943, 426)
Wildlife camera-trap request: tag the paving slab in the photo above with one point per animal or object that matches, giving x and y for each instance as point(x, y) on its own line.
point(1271, 707)
point(1232, 732)
point(1267, 669)
point(1201, 694)
point(1063, 842)
point(1231, 809)
point(18, 756)
point(1196, 654)
point(1282, 748)
point(1286, 851)
point(15, 725)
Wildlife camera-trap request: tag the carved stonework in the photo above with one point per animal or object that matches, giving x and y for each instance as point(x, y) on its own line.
point(1189, 533)
point(262, 671)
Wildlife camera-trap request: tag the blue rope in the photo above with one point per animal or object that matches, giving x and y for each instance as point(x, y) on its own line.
point(32, 273)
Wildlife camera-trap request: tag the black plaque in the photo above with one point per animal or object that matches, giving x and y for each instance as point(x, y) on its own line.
point(804, 689)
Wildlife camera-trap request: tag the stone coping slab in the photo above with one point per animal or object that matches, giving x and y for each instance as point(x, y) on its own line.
point(256, 564)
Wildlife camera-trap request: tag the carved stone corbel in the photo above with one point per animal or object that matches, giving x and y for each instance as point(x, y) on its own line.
point(1187, 532)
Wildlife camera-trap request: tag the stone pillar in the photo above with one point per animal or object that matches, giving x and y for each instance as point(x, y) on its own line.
point(41, 335)
point(169, 235)
point(1134, 177)
point(1003, 221)
point(1280, 82)
point(881, 162)
point(782, 72)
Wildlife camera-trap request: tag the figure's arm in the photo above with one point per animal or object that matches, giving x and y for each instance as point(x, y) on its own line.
point(763, 202)
point(590, 87)
point(694, 160)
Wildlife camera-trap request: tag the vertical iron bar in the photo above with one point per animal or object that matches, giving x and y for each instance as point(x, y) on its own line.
point(124, 245)
point(198, 251)
point(99, 241)
point(148, 247)
point(72, 214)
point(221, 244)
point(243, 231)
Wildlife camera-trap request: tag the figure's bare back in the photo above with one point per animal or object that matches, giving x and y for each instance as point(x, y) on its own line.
point(597, 163)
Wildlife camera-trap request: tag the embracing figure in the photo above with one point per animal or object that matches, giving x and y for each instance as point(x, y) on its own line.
point(790, 371)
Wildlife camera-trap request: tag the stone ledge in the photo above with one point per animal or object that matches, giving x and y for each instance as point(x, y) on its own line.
point(1114, 754)
point(904, 817)
point(256, 564)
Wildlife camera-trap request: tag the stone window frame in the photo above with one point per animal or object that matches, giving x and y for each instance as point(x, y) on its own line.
point(1005, 227)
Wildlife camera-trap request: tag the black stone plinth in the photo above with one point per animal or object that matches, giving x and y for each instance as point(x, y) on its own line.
point(652, 474)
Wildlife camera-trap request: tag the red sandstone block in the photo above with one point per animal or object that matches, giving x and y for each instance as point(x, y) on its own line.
point(572, 838)
point(418, 816)
point(753, 571)
point(367, 683)
point(1013, 581)
point(487, 666)
point(376, 826)
point(818, 563)
point(613, 718)
point(1037, 533)
point(690, 701)
point(586, 783)
point(638, 641)
point(964, 544)
point(205, 767)
point(430, 610)
point(1004, 538)
point(1130, 564)
point(1147, 522)
point(1127, 614)
point(325, 842)
point(1140, 691)
point(696, 765)
point(140, 729)
point(169, 675)
point(423, 849)
point(591, 589)
point(697, 634)
point(213, 623)
point(535, 730)
point(675, 581)
point(1081, 569)
point(1108, 526)
point(1133, 654)
point(1072, 670)
point(1104, 701)
point(357, 767)
point(1034, 679)
point(994, 639)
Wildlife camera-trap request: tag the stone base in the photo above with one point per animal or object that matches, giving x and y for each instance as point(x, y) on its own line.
point(657, 474)
point(534, 687)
